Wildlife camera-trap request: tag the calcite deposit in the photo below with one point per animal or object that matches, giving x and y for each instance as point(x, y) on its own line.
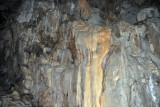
point(65, 53)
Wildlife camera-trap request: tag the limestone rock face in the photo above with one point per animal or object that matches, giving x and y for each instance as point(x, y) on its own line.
point(69, 57)
point(147, 12)
point(129, 12)
point(133, 74)
point(153, 34)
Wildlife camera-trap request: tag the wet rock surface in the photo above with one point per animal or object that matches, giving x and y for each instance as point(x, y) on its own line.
point(71, 54)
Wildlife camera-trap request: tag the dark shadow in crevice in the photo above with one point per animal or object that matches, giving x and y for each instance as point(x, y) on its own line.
point(8, 78)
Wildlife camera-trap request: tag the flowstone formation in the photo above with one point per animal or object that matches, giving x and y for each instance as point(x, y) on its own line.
point(75, 54)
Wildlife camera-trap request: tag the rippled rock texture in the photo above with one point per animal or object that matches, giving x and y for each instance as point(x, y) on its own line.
point(65, 54)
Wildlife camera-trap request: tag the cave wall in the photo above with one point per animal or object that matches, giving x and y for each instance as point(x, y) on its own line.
point(67, 53)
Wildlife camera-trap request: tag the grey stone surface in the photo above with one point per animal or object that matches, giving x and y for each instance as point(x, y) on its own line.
point(26, 11)
point(146, 13)
point(95, 18)
point(68, 62)
point(128, 13)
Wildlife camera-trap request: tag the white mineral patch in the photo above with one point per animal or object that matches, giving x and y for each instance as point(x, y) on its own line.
point(152, 90)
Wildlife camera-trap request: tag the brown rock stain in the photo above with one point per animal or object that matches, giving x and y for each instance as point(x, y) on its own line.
point(136, 40)
point(45, 98)
point(72, 47)
point(85, 9)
